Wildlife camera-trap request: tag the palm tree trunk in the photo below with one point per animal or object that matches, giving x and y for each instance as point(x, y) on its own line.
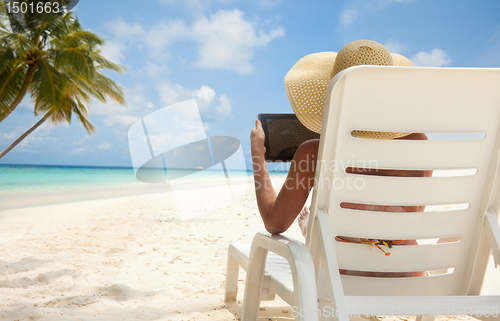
point(20, 95)
point(25, 134)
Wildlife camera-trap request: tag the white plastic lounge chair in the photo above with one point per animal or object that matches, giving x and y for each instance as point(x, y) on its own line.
point(429, 100)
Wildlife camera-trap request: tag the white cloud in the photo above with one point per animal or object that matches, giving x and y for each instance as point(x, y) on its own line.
point(164, 34)
point(113, 51)
point(10, 135)
point(125, 31)
point(137, 99)
point(126, 120)
point(77, 151)
point(170, 94)
point(435, 58)
point(174, 126)
point(29, 141)
point(395, 47)
point(205, 94)
point(109, 108)
point(127, 36)
point(39, 139)
point(120, 115)
point(211, 107)
point(227, 41)
point(81, 141)
point(45, 129)
point(348, 17)
point(104, 146)
point(224, 107)
point(156, 69)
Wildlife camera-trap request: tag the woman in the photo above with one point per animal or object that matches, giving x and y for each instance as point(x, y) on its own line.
point(306, 85)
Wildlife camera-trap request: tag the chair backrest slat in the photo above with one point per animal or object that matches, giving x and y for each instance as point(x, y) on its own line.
point(410, 190)
point(401, 154)
point(396, 226)
point(402, 258)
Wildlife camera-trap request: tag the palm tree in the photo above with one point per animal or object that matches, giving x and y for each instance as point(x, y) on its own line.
point(59, 64)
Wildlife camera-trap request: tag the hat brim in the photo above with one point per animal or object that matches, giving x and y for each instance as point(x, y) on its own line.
point(306, 84)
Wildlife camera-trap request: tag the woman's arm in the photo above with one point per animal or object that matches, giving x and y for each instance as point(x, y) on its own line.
point(264, 190)
point(279, 212)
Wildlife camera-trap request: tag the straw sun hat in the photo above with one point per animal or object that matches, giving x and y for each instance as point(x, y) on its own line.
point(308, 79)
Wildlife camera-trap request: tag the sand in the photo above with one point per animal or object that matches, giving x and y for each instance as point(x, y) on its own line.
point(125, 258)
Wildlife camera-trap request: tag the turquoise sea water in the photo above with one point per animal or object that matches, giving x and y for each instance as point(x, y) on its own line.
point(29, 177)
point(46, 177)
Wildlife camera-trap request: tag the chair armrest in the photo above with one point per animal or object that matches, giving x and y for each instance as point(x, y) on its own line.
point(301, 264)
point(284, 246)
point(492, 229)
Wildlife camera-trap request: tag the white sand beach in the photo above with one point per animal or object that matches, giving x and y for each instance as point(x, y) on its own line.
point(128, 258)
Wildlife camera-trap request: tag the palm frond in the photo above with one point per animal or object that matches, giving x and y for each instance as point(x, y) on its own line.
point(3, 26)
point(11, 82)
point(57, 27)
point(101, 87)
point(85, 86)
point(109, 88)
point(74, 88)
point(20, 43)
point(7, 59)
point(79, 93)
point(16, 25)
point(47, 87)
point(75, 61)
point(81, 113)
point(42, 33)
point(70, 106)
point(85, 37)
point(103, 63)
point(62, 113)
point(74, 24)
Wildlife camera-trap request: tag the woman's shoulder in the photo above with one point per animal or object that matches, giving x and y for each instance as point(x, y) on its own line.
point(309, 147)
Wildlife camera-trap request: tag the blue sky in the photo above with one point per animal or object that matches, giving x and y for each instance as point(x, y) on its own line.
point(232, 56)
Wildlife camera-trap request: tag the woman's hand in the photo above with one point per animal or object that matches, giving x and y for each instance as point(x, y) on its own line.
point(257, 138)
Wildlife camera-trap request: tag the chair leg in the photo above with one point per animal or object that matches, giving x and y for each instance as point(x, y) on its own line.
point(231, 279)
point(253, 285)
point(425, 318)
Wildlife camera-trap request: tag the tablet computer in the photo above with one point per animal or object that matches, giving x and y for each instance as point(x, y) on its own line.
point(284, 134)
